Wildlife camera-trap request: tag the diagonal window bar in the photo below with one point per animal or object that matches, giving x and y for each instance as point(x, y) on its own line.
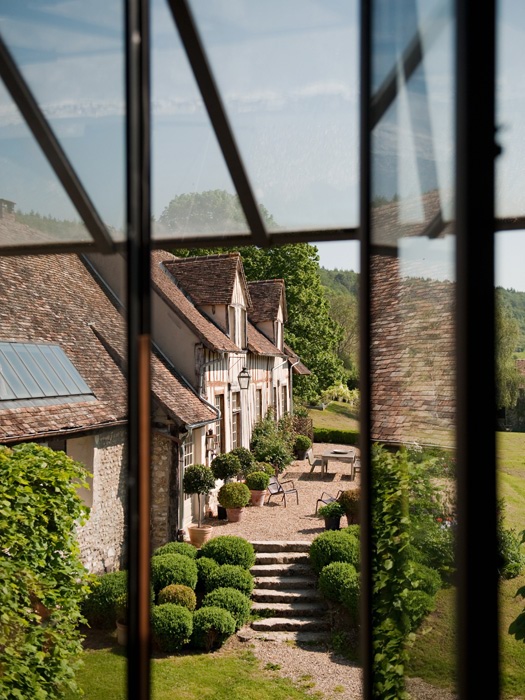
point(57, 158)
point(210, 94)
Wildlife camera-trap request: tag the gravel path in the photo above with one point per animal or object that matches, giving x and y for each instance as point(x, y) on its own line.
point(312, 668)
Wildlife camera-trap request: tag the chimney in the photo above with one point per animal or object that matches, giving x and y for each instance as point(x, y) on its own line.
point(7, 210)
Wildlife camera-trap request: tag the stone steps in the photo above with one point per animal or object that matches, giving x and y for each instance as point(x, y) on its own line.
point(285, 588)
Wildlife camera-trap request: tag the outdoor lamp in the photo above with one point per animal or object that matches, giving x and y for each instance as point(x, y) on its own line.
point(210, 440)
point(244, 378)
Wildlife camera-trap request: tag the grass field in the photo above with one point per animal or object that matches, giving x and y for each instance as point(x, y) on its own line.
point(432, 656)
point(233, 675)
point(337, 415)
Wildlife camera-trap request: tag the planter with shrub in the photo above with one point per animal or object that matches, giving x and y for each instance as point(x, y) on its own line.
point(301, 446)
point(226, 466)
point(246, 459)
point(198, 479)
point(234, 497)
point(350, 503)
point(168, 569)
point(211, 627)
point(257, 482)
point(332, 514)
point(230, 549)
point(172, 626)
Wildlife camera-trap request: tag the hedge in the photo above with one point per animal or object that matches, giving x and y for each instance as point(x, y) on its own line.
point(338, 437)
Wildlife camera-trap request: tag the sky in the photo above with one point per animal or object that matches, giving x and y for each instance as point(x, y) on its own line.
point(288, 75)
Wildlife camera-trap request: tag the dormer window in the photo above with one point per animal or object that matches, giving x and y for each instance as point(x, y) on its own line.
point(237, 325)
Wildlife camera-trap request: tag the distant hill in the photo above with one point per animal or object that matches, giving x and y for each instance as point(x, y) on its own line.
point(340, 281)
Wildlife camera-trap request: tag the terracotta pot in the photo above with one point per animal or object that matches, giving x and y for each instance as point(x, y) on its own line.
point(234, 514)
point(199, 535)
point(257, 497)
point(122, 634)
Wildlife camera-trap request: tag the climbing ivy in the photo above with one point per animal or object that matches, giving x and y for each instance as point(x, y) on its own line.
point(42, 580)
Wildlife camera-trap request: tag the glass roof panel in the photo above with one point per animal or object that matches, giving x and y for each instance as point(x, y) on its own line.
point(37, 371)
point(288, 76)
point(192, 191)
point(510, 108)
point(71, 55)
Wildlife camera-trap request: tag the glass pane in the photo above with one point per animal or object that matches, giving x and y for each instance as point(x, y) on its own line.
point(72, 57)
point(288, 76)
point(192, 190)
point(510, 445)
point(412, 355)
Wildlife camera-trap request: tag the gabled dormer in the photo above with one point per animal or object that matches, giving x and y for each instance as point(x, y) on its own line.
point(217, 286)
point(269, 312)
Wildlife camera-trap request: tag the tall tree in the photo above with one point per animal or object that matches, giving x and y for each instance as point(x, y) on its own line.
point(508, 379)
point(310, 330)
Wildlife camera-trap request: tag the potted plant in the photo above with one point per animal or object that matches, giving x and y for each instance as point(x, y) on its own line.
point(257, 482)
point(121, 612)
point(301, 446)
point(234, 496)
point(246, 459)
point(332, 514)
point(225, 467)
point(349, 500)
point(198, 479)
point(275, 451)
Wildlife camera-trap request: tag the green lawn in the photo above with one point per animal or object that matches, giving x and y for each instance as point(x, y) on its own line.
point(432, 656)
point(337, 416)
point(231, 675)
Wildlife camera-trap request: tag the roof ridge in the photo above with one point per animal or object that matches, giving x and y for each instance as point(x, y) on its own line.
point(231, 254)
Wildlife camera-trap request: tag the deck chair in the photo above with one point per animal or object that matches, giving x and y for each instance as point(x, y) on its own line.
point(277, 488)
point(326, 498)
point(313, 461)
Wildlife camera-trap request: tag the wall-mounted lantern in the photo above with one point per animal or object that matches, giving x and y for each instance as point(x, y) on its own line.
point(244, 378)
point(210, 441)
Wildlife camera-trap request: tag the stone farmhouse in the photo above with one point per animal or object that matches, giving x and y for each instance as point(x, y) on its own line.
point(62, 375)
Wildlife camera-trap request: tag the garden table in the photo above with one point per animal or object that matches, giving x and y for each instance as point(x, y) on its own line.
point(347, 456)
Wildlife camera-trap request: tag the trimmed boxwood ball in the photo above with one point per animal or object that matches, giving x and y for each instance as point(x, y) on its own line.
point(230, 576)
point(99, 608)
point(231, 600)
point(180, 595)
point(339, 582)
point(211, 627)
point(172, 626)
point(333, 545)
point(246, 459)
point(429, 579)
point(226, 466)
point(257, 481)
point(302, 443)
point(234, 495)
point(205, 566)
point(265, 467)
point(230, 549)
point(173, 568)
point(354, 530)
point(188, 550)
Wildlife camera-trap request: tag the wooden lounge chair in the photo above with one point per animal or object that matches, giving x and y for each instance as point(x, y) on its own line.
point(313, 461)
point(326, 498)
point(277, 488)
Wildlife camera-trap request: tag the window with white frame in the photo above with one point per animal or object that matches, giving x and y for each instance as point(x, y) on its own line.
point(236, 419)
point(188, 450)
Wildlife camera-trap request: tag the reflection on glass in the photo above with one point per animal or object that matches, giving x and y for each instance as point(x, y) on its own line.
point(510, 107)
point(288, 77)
point(510, 445)
point(34, 209)
point(412, 351)
point(71, 55)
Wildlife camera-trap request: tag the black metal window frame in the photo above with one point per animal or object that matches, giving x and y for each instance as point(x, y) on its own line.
point(475, 227)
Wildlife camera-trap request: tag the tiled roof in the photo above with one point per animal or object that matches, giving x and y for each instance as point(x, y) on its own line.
point(266, 297)
point(259, 344)
point(164, 285)
point(209, 279)
point(298, 367)
point(54, 299)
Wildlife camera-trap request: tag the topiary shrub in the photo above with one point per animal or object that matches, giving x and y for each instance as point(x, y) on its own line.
point(257, 481)
point(226, 466)
point(232, 600)
point(99, 608)
point(337, 578)
point(211, 627)
point(246, 459)
point(180, 595)
point(427, 579)
point(167, 569)
point(172, 626)
point(188, 550)
point(349, 500)
point(265, 467)
point(205, 566)
point(333, 545)
point(229, 549)
point(198, 479)
point(302, 444)
point(234, 495)
point(354, 530)
point(230, 576)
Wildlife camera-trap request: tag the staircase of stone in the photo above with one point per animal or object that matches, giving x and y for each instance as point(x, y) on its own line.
point(285, 590)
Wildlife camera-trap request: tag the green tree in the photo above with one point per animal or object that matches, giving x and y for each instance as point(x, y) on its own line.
point(42, 580)
point(508, 378)
point(310, 330)
point(343, 310)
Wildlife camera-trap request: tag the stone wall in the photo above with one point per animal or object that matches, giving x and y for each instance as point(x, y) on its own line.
point(161, 463)
point(101, 539)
